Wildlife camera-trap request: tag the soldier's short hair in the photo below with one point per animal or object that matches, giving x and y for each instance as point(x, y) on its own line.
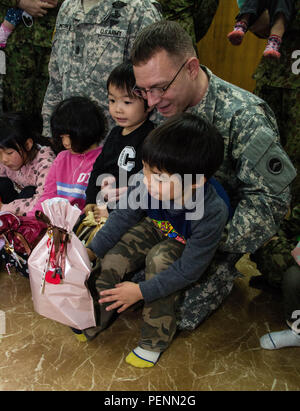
point(185, 144)
point(80, 118)
point(162, 35)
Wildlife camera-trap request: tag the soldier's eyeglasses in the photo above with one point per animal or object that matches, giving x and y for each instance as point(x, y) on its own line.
point(156, 92)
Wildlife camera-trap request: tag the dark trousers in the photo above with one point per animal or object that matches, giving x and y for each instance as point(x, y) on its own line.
point(9, 194)
point(257, 7)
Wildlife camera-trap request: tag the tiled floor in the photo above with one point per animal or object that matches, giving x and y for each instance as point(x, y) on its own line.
point(222, 354)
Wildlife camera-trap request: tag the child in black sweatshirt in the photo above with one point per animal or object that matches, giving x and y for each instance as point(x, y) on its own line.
point(121, 154)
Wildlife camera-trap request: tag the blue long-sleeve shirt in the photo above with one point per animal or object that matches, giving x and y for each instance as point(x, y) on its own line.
point(201, 236)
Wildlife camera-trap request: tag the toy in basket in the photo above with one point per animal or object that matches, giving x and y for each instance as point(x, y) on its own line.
point(59, 268)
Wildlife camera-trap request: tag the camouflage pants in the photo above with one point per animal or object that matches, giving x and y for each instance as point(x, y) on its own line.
point(143, 245)
point(274, 258)
point(286, 105)
point(26, 78)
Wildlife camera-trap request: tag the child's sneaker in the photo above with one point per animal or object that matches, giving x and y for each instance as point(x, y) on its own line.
point(272, 47)
point(79, 335)
point(236, 36)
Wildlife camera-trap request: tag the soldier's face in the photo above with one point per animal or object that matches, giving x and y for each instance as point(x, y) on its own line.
point(159, 72)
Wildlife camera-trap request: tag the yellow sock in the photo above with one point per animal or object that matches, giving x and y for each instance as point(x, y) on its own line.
point(142, 358)
point(81, 337)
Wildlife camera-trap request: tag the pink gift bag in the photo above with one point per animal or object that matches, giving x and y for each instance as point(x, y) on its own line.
point(59, 267)
point(296, 253)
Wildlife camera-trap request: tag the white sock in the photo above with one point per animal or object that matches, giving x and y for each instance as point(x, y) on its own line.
point(280, 339)
point(150, 356)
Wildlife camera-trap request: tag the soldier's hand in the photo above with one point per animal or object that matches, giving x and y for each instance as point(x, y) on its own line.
point(37, 8)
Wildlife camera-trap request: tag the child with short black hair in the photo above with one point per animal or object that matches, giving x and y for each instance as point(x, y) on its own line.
point(172, 223)
point(122, 151)
point(78, 126)
point(281, 13)
point(25, 160)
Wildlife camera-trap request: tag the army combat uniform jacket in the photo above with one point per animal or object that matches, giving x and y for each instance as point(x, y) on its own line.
point(87, 46)
point(256, 171)
point(194, 16)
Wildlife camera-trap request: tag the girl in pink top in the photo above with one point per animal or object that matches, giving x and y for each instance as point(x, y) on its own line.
point(78, 126)
point(24, 162)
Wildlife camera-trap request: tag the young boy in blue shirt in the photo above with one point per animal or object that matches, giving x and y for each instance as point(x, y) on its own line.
point(170, 221)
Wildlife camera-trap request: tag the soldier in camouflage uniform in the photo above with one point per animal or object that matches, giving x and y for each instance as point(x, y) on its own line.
point(27, 56)
point(278, 83)
point(256, 171)
point(194, 16)
point(88, 45)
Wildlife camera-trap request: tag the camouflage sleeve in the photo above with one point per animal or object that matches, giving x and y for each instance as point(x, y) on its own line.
point(264, 174)
point(53, 93)
point(148, 16)
point(291, 226)
point(9, 3)
point(194, 16)
point(204, 13)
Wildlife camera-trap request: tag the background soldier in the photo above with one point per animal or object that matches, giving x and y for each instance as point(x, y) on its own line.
point(194, 16)
point(27, 55)
point(279, 85)
point(91, 39)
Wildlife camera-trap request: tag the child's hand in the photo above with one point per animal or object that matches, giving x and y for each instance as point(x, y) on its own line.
point(109, 192)
point(124, 294)
point(100, 212)
point(89, 207)
point(91, 255)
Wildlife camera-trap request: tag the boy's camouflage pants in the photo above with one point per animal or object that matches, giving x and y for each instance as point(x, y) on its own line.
point(145, 245)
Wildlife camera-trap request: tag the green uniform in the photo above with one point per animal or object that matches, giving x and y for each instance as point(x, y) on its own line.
point(27, 55)
point(194, 16)
point(256, 171)
point(278, 83)
point(256, 174)
point(87, 46)
point(275, 258)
